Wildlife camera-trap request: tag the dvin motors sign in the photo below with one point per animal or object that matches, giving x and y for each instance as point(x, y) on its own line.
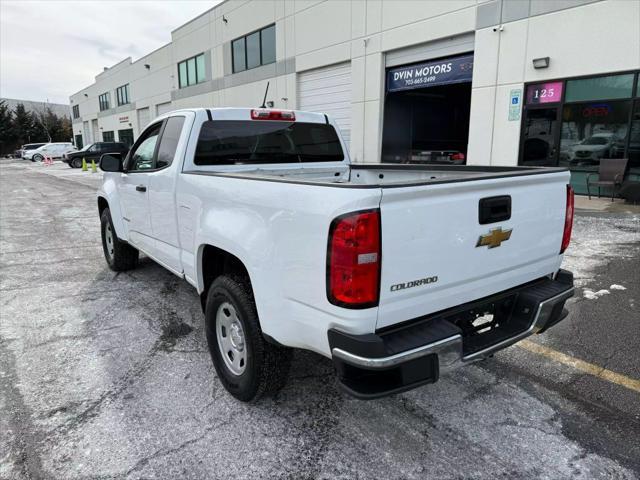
point(439, 72)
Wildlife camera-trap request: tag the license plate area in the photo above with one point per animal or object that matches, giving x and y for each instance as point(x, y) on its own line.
point(486, 324)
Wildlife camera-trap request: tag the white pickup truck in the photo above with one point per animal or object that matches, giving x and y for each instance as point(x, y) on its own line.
point(396, 273)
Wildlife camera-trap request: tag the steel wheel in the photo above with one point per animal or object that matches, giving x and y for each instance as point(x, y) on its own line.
point(230, 336)
point(108, 238)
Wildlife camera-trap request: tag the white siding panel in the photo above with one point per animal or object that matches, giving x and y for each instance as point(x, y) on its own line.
point(94, 130)
point(328, 90)
point(163, 108)
point(86, 140)
point(437, 49)
point(143, 118)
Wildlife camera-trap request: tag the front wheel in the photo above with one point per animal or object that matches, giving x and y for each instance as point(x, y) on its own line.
point(37, 158)
point(76, 163)
point(248, 366)
point(119, 255)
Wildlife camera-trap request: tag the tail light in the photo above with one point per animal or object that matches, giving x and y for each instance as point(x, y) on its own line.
point(457, 156)
point(353, 260)
point(568, 220)
point(273, 115)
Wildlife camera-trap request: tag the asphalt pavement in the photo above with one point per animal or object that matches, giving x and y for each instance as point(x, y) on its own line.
point(106, 375)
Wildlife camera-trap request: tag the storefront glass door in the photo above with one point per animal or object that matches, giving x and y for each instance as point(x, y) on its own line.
point(539, 133)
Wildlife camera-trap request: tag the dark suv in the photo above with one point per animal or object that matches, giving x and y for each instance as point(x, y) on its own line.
point(94, 151)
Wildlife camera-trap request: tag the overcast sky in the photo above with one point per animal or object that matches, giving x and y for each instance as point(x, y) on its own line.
point(51, 49)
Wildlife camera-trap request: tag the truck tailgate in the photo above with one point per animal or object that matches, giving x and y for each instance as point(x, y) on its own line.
point(431, 257)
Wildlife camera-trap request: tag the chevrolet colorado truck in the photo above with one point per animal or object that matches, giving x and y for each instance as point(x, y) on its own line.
point(395, 272)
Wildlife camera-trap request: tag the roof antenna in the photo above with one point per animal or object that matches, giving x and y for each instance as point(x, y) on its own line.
point(264, 100)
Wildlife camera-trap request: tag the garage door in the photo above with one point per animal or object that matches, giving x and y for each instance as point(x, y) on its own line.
point(143, 118)
point(328, 90)
point(94, 130)
point(163, 108)
point(87, 134)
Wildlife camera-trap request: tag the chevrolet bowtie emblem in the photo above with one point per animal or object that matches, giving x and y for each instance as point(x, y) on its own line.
point(494, 238)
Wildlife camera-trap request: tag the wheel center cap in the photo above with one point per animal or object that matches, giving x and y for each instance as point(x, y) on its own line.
point(236, 337)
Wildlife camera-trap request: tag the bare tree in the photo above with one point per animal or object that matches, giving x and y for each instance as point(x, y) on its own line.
point(42, 116)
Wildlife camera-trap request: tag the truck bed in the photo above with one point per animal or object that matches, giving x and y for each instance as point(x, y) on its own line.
point(430, 227)
point(377, 175)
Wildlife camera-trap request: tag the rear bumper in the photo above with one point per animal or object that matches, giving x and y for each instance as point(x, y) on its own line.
point(414, 353)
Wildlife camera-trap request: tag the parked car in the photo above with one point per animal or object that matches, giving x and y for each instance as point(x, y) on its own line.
point(592, 149)
point(441, 157)
point(26, 147)
point(93, 152)
point(50, 150)
point(395, 272)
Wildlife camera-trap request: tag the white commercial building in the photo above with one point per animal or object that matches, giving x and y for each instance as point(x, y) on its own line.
point(498, 82)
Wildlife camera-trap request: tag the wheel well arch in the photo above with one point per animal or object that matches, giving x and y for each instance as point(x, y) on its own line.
point(214, 262)
point(102, 204)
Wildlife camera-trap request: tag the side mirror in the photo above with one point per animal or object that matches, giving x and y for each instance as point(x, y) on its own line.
point(111, 162)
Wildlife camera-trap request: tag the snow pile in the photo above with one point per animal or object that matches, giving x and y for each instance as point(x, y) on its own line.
point(596, 239)
point(591, 295)
point(617, 287)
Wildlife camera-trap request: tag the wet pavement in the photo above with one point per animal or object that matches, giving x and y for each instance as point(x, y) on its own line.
point(106, 375)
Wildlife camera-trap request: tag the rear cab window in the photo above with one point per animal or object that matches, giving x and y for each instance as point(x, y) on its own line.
point(242, 142)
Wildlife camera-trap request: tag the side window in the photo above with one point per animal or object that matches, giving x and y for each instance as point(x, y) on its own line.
point(169, 141)
point(143, 151)
point(93, 148)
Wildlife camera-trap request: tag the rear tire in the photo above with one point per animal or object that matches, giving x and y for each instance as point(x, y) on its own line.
point(120, 256)
point(253, 367)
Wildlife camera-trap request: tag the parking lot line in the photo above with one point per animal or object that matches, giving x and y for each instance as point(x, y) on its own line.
point(586, 367)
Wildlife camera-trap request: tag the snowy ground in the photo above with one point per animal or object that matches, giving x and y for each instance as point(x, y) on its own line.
point(595, 241)
point(107, 375)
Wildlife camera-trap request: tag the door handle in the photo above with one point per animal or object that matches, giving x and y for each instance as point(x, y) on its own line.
point(141, 188)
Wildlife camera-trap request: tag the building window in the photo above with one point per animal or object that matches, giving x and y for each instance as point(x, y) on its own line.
point(609, 87)
point(122, 94)
point(191, 71)
point(576, 122)
point(255, 49)
point(239, 57)
point(108, 136)
point(104, 101)
point(126, 136)
point(633, 148)
point(79, 141)
point(76, 111)
point(593, 130)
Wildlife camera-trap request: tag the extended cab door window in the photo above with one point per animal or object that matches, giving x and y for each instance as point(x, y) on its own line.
point(143, 152)
point(169, 141)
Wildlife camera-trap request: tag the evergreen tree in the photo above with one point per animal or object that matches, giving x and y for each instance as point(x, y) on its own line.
point(7, 137)
point(23, 126)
